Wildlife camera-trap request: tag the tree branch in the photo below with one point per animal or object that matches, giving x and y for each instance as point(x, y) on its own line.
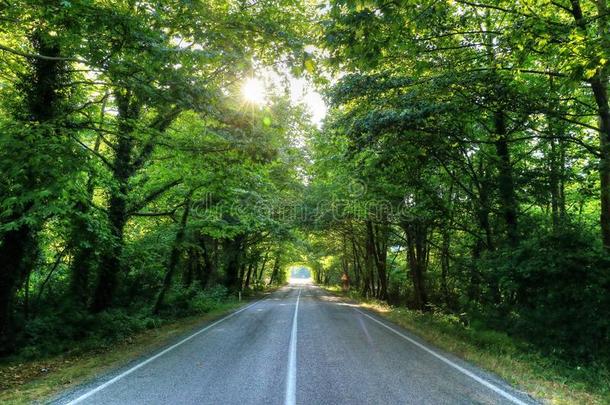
point(94, 152)
point(38, 56)
point(153, 196)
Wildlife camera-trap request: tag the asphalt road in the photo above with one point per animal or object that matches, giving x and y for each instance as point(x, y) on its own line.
point(300, 345)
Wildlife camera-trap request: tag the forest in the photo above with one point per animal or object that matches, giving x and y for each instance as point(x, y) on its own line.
point(153, 162)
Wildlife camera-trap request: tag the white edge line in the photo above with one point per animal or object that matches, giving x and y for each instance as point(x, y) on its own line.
point(145, 362)
point(461, 369)
point(291, 379)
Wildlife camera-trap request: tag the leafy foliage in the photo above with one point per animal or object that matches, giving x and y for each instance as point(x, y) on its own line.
point(476, 133)
point(136, 184)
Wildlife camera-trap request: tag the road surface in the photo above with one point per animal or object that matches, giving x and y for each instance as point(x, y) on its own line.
point(300, 345)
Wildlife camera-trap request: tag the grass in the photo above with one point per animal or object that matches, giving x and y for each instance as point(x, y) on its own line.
point(24, 382)
point(551, 380)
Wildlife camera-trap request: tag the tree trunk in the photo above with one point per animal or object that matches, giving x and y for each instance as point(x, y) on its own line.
point(554, 184)
point(369, 260)
point(262, 269)
point(209, 267)
point(483, 208)
point(242, 274)
point(600, 91)
point(248, 275)
point(232, 248)
point(506, 183)
point(174, 257)
point(83, 242)
point(276, 269)
point(111, 263)
point(357, 266)
point(561, 175)
point(191, 267)
point(122, 169)
point(556, 167)
point(18, 247)
point(599, 87)
point(416, 232)
point(445, 250)
point(378, 241)
point(16, 259)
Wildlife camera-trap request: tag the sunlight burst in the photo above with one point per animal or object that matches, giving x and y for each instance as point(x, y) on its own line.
point(253, 91)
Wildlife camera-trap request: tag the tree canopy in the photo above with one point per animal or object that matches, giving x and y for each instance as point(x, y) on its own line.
point(463, 166)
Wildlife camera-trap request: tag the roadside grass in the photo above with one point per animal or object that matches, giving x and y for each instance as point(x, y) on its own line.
point(28, 381)
point(551, 380)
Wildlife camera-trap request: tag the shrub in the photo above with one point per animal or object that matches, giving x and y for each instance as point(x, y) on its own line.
point(191, 301)
point(555, 292)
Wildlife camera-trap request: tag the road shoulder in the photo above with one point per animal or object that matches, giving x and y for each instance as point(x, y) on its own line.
point(41, 380)
point(520, 366)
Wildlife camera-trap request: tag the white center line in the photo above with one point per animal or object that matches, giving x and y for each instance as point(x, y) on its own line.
point(291, 379)
point(459, 368)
